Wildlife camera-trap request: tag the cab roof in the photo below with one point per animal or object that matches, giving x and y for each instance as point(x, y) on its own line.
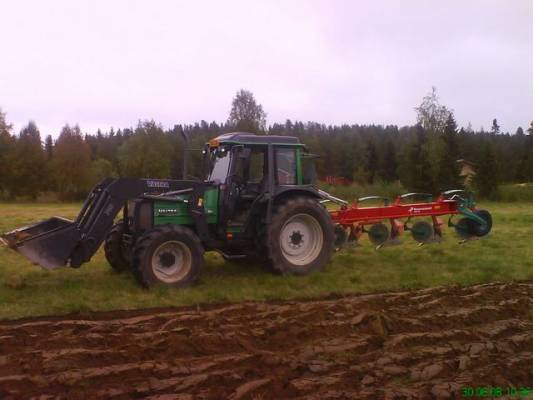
point(250, 138)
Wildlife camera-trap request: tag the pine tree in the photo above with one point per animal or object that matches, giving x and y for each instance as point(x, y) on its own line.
point(417, 168)
point(389, 164)
point(49, 147)
point(449, 173)
point(371, 161)
point(495, 130)
point(6, 146)
point(70, 165)
point(27, 160)
point(148, 153)
point(487, 174)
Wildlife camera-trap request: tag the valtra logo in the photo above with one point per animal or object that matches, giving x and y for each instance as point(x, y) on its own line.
point(158, 184)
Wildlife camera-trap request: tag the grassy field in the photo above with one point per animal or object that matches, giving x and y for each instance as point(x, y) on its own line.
point(27, 290)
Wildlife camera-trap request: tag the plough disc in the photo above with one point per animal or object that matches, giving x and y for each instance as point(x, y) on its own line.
point(423, 232)
point(378, 234)
point(464, 228)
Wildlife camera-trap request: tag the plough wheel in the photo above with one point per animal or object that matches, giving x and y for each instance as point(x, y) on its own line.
point(467, 228)
point(478, 229)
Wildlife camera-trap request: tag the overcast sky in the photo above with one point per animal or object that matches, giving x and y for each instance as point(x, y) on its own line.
point(111, 63)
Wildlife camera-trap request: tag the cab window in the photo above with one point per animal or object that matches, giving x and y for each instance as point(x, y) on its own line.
point(257, 166)
point(286, 166)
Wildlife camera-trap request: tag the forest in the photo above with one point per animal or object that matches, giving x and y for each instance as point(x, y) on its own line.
point(422, 157)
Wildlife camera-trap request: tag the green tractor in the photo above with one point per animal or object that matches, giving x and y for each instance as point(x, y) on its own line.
point(258, 202)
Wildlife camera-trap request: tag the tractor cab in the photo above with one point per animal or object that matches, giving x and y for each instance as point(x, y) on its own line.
point(252, 169)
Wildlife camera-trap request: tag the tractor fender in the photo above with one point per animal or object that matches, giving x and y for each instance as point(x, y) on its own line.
point(284, 192)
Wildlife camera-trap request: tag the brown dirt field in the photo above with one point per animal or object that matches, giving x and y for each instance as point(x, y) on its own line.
point(403, 345)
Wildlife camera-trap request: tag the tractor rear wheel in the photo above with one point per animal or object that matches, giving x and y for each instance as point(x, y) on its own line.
point(300, 238)
point(168, 255)
point(113, 249)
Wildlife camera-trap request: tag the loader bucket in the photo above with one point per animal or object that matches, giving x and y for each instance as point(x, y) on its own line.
point(48, 243)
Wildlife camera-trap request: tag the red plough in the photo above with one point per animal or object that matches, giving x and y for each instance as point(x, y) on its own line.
point(351, 221)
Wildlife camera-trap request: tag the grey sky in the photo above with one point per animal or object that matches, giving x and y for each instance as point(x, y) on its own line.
point(110, 63)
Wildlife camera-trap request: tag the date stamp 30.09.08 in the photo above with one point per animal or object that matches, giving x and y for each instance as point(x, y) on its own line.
point(520, 392)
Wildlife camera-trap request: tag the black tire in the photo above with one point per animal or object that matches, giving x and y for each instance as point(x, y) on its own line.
point(478, 229)
point(289, 217)
point(176, 246)
point(114, 252)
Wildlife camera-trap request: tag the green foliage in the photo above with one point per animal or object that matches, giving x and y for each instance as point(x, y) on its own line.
point(49, 147)
point(72, 157)
point(389, 164)
point(423, 156)
point(148, 153)
point(449, 174)
point(27, 162)
point(371, 163)
point(432, 115)
point(516, 192)
point(486, 179)
point(6, 146)
point(495, 129)
point(246, 114)
point(356, 190)
point(101, 169)
point(416, 173)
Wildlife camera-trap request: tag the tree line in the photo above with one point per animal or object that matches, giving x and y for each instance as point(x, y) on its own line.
point(422, 156)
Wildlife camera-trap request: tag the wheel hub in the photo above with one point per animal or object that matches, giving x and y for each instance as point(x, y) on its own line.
point(301, 239)
point(167, 259)
point(171, 261)
point(296, 239)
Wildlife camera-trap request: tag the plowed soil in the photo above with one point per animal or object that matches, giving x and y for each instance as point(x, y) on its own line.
point(403, 345)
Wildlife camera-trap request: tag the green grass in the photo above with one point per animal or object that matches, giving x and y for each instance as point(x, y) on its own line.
point(27, 290)
point(513, 192)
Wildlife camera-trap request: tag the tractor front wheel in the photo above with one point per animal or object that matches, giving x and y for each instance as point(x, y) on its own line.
point(113, 248)
point(300, 238)
point(168, 255)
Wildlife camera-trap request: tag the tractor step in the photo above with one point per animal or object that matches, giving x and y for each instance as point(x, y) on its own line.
point(230, 257)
